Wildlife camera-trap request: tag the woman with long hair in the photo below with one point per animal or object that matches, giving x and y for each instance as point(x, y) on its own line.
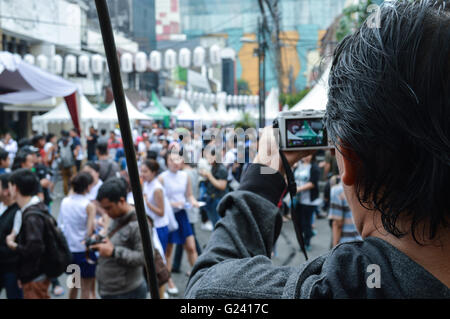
point(178, 188)
point(77, 220)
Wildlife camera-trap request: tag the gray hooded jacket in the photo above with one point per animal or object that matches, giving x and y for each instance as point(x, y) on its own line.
point(236, 263)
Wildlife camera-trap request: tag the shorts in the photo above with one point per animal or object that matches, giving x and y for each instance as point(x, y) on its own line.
point(184, 229)
point(163, 235)
point(87, 269)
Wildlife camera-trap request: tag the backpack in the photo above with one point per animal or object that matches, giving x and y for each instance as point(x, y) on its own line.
point(57, 255)
point(66, 155)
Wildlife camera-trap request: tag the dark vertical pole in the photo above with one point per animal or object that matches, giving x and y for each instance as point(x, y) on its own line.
point(124, 122)
point(260, 73)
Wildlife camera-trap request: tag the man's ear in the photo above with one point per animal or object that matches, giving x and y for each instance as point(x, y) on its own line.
point(348, 165)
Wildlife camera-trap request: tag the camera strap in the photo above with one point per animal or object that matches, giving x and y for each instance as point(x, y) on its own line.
point(292, 189)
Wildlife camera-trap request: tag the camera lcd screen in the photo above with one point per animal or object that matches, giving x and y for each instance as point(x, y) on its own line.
point(305, 133)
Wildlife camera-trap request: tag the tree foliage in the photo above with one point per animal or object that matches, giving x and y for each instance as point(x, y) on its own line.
point(292, 99)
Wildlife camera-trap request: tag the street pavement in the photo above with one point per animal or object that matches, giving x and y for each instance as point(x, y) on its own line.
point(287, 250)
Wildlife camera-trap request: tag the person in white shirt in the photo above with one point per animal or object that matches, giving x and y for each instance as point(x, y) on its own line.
point(10, 146)
point(102, 219)
point(156, 203)
point(178, 189)
point(77, 220)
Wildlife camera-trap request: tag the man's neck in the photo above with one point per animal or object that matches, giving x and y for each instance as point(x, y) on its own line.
point(22, 201)
point(103, 157)
point(430, 254)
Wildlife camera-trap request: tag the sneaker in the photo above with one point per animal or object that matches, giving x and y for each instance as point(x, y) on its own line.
point(314, 232)
point(207, 226)
point(308, 247)
point(166, 295)
point(172, 291)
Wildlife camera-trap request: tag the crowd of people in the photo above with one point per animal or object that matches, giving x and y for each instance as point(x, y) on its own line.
point(96, 197)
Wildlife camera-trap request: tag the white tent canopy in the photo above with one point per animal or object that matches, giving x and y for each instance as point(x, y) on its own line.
point(22, 83)
point(272, 105)
point(89, 116)
point(203, 114)
point(317, 98)
point(184, 112)
point(133, 113)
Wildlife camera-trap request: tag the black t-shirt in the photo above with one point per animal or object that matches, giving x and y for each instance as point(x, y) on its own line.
point(43, 172)
point(91, 144)
point(219, 172)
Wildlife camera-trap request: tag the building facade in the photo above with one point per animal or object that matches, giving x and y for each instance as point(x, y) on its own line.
point(303, 24)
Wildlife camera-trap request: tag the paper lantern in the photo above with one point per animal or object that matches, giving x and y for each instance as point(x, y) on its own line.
point(199, 56)
point(42, 62)
point(235, 99)
point(189, 95)
point(141, 62)
point(155, 61)
point(184, 58)
point(70, 64)
point(246, 99)
point(240, 99)
point(57, 64)
point(97, 64)
point(126, 63)
point(202, 96)
point(183, 94)
point(170, 59)
point(195, 96)
point(30, 59)
point(214, 55)
point(229, 99)
point(83, 64)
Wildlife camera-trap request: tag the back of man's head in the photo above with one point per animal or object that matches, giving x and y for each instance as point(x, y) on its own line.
point(3, 154)
point(4, 180)
point(102, 148)
point(26, 181)
point(113, 189)
point(389, 104)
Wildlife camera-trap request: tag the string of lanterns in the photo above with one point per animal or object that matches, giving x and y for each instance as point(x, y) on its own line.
point(220, 98)
point(140, 62)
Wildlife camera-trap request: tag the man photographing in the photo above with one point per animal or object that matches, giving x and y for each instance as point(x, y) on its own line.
point(388, 116)
point(120, 272)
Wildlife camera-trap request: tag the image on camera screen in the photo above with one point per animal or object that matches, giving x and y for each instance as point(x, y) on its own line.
point(305, 133)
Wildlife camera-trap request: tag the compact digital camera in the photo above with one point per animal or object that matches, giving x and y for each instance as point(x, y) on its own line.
point(302, 130)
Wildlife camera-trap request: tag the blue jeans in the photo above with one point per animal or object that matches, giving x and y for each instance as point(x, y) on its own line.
point(139, 293)
point(211, 210)
point(8, 280)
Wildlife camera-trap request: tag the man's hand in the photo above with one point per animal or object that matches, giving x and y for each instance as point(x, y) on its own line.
point(268, 151)
point(105, 249)
point(10, 241)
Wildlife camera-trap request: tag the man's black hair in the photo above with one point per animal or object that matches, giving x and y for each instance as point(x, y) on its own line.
point(103, 131)
point(20, 158)
point(4, 179)
point(23, 142)
point(3, 154)
point(36, 139)
point(81, 182)
point(113, 189)
point(26, 181)
point(389, 103)
point(95, 166)
point(49, 137)
point(102, 148)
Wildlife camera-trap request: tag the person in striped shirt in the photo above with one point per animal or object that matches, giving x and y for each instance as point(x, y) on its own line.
point(344, 229)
